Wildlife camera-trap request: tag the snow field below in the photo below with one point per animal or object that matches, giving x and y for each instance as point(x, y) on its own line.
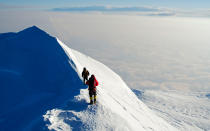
point(185, 111)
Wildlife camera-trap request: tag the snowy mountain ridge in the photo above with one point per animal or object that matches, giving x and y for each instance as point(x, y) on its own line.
point(51, 86)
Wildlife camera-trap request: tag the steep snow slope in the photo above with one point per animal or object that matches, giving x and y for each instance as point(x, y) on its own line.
point(117, 108)
point(40, 76)
point(35, 76)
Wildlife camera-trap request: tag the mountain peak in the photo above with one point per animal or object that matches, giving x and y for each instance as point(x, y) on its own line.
point(32, 29)
point(41, 79)
point(34, 67)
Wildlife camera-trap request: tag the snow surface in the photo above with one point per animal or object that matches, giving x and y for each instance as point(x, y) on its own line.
point(117, 108)
point(187, 111)
point(35, 76)
point(41, 89)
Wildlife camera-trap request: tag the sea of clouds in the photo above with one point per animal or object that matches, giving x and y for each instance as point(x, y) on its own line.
point(148, 52)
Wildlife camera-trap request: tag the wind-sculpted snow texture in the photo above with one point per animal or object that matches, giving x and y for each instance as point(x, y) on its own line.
point(41, 89)
point(187, 111)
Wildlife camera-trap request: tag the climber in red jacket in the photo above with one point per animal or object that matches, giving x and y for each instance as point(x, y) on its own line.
point(92, 83)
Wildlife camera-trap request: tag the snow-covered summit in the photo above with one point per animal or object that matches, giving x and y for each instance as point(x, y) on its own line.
point(35, 76)
point(40, 76)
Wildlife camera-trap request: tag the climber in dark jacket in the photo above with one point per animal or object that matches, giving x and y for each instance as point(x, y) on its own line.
point(92, 83)
point(85, 74)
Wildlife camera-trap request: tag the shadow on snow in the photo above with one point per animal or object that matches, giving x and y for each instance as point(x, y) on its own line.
point(35, 76)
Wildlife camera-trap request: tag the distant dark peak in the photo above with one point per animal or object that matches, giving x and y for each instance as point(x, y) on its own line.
point(32, 30)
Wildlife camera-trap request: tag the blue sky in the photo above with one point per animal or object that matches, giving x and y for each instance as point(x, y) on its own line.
point(182, 4)
point(189, 8)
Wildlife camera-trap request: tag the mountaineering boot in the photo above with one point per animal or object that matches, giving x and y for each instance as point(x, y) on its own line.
point(94, 99)
point(91, 100)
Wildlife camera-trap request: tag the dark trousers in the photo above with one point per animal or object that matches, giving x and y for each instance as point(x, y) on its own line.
point(85, 78)
point(91, 94)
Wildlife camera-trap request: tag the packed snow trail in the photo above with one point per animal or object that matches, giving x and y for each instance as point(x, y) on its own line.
point(117, 106)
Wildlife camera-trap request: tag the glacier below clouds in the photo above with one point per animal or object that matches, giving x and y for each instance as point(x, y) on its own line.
point(187, 111)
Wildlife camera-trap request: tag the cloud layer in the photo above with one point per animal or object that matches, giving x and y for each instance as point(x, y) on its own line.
point(144, 10)
point(147, 52)
point(137, 10)
point(122, 10)
point(107, 9)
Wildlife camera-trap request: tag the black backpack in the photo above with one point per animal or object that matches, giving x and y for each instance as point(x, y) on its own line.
point(91, 82)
